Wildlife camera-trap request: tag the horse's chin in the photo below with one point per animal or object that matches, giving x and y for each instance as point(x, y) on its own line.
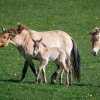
point(95, 51)
point(3, 45)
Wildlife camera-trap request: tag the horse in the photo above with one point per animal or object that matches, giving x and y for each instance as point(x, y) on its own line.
point(22, 39)
point(95, 39)
point(58, 55)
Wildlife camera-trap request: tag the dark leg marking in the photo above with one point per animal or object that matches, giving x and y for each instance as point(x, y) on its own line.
point(54, 76)
point(24, 71)
point(33, 68)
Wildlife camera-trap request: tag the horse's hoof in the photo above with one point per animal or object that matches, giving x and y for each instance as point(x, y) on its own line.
point(69, 85)
point(61, 83)
point(36, 83)
point(45, 82)
point(53, 81)
point(40, 81)
point(21, 81)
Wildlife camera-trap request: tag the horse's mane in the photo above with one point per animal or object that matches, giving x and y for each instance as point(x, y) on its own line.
point(44, 45)
point(10, 31)
point(21, 27)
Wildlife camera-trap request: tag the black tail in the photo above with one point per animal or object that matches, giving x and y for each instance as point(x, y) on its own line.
point(76, 61)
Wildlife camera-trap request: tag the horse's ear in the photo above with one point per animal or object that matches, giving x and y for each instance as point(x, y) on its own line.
point(97, 29)
point(33, 40)
point(3, 29)
point(40, 40)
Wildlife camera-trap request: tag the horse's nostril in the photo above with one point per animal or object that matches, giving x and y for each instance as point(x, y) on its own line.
point(93, 52)
point(34, 54)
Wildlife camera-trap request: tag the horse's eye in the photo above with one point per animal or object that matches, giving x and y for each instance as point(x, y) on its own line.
point(4, 37)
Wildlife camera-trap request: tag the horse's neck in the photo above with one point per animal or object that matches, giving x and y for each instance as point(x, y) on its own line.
point(21, 39)
point(43, 50)
point(24, 43)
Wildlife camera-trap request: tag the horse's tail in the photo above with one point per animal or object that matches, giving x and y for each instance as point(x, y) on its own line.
point(76, 61)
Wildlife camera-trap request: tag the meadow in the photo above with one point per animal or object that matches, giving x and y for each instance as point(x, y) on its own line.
point(77, 18)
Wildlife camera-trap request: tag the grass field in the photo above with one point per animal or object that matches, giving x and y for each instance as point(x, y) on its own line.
point(77, 17)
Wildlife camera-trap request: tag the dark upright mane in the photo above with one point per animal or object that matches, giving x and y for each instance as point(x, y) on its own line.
point(95, 31)
point(44, 45)
point(10, 31)
point(20, 28)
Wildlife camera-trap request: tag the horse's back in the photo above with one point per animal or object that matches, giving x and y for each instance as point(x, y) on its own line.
point(55, 38)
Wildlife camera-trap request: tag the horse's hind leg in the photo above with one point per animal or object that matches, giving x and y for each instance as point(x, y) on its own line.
point(70, 75)
point(61, 76)
point(38, 76)
point(67, 73)
point(54, 76)
point(42, 67)
point(70, 70)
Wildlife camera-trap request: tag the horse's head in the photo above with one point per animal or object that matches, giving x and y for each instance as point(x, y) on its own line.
point(6, 36)
point(9, 34)
point(95, 39)
point(37, 46)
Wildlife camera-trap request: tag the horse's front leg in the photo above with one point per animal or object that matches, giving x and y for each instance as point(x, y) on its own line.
point(55, 74)
point(32, 67)
point(42, 68)
point(24, 70)
point(38, 79)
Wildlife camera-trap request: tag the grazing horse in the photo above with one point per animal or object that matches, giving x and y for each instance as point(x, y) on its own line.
point(46, 54)
point(22, 39)
point(95, 39)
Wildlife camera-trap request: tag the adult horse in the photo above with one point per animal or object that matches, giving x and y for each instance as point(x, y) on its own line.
point(22, 39)
point(95, 39)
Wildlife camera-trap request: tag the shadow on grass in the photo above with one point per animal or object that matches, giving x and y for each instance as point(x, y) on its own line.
point(32, 82)
point(86, 84)
point(17, 81)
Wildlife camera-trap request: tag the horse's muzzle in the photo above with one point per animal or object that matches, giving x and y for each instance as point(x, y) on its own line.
point(94, 53)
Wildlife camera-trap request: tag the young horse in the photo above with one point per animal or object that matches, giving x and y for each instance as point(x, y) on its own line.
point(95, 39)
point(46, 54)
point(22, 39)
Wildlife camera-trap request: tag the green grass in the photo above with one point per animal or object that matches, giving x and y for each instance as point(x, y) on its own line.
point(77, 17)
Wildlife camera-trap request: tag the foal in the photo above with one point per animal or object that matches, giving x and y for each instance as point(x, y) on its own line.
point(45, 54)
